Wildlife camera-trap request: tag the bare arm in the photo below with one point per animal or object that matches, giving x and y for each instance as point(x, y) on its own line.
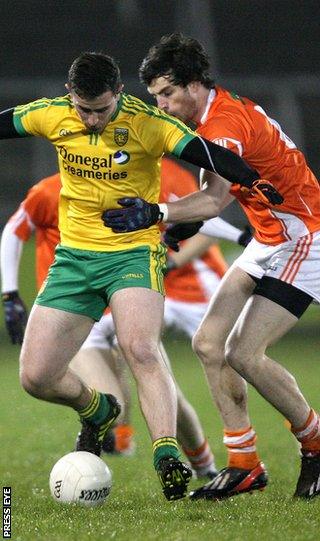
point(137, 213)
point(15, 311)
point(207, 203)
point(193, 248)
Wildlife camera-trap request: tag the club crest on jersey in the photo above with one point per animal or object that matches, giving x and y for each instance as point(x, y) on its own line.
point(120, 136)
point(121, 157)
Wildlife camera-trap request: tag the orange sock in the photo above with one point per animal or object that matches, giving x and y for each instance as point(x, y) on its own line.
point(309, 433)
point(200, 458)
point(241, 447)
point(124, 437)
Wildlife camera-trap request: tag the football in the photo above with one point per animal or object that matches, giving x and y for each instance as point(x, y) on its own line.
point(82, 478)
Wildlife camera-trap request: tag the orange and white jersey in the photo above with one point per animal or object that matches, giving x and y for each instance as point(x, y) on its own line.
point(243, 127)
point(196, 281)
point(39, 213)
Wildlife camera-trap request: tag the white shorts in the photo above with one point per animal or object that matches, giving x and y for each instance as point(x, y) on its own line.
point(296, 262)
point(184, 316)
point(102, 334)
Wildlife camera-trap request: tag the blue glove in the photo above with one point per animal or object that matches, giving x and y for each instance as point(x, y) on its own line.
point(174, 233)
point(15, 315)
point(136, 214)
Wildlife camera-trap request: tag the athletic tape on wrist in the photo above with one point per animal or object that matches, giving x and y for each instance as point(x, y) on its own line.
point(164, 212)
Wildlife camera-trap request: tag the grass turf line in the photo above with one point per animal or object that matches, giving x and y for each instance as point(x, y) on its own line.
point(35, 434)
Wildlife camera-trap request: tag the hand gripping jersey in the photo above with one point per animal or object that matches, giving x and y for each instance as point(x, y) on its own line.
point(98, 169)
point(242, 126)
point(195, 281)
point(39, 212)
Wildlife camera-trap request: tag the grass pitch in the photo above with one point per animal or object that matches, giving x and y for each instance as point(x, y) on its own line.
point(35, 434)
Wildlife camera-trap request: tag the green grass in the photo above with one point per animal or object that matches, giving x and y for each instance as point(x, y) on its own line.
point(35, 434)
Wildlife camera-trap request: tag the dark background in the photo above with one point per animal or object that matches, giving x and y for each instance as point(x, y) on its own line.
point(266, 49)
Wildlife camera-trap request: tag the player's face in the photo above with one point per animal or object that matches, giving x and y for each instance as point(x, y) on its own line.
point(173, 99)
point(95, 114)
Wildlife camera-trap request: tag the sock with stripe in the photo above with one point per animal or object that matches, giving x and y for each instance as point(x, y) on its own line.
point(242, 452)
point(166, 447)
point(201, 459)
point(309, 434)
point(97, 410)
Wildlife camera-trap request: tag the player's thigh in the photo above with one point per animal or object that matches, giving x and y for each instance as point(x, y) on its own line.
point(70, 285)
point(226, 304)
point(52, 338)
point(261, 323)
point(137, 314)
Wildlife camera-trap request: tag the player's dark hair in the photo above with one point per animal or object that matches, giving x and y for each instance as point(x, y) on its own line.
point(182, 58)
point(92, 74)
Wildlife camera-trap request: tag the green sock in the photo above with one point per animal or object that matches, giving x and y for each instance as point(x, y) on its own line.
point(97, 410)
point(166, 447)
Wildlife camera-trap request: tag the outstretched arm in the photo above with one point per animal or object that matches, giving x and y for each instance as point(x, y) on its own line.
point(201, 205)
point(193, 248)
point(214, 229)
point(139, 214)
point(207, 203)
point(15, 312)
point(220, 229)
point(220, 160)
point(7, 129)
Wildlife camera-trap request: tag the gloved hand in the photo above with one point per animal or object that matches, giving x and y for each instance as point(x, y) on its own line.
point(264, 192)
point(136, 214)
point(174, 233)
point(15, 315)
point(245, 236)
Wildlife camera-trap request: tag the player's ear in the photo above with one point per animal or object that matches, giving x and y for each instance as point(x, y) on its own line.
point(120, 88)
point(193, 87)
point(67, 86)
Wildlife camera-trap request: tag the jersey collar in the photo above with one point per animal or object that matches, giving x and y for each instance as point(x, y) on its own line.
point(117, 109)
point(211, 96)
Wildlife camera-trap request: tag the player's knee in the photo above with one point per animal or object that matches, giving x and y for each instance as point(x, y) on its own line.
point(207, 349)
point(140, 351)
point(238, 356)
point(32, 383)
point(200, 345)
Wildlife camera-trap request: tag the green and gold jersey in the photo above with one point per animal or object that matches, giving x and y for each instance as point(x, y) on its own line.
point(97, 169)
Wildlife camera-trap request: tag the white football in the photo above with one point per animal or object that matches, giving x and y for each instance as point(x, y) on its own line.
point(80, 477)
